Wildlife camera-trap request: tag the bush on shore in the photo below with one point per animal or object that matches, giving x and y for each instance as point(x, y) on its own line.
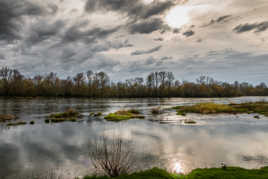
point(210, 173)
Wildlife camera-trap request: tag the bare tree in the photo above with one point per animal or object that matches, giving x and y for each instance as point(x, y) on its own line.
point(113, 157)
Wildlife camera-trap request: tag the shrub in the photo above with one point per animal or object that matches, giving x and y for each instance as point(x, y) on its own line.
point(114, 157)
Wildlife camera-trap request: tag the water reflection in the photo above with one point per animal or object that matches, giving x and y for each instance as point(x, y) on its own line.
point(236, 140)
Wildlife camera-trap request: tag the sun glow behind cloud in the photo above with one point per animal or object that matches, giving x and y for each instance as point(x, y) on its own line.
point(181, 15)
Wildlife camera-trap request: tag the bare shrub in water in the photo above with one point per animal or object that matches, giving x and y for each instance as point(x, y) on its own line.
point(113, 157)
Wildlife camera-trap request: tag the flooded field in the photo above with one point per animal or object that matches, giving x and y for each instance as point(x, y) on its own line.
point(163, 140)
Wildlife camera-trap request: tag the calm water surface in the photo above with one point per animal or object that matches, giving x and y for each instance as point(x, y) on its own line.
point(162, 141)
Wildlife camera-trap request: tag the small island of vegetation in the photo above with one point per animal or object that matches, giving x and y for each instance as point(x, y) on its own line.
point(213, 108)
point(70, 115)
point(124, 115)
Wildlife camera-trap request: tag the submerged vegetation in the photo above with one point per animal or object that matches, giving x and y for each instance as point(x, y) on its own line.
point(211, 173)
point(70, 115)
point(124, 115)
point(19, 123)
point(95, 114)
point(213, 108)
point(90, 84)
point(189, 121)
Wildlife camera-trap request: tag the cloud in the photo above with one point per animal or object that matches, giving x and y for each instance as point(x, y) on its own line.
point(134, 9)
point(258, 27)
point(142, 52)
point(149, 64)
point(159, 39)
point(188, 33)
point(147, 26)
point(59, 35)
point(106, 46)
point(221, 19)
point(2, 57)
point(11, 13)
point(44, 30)
point(75, 33)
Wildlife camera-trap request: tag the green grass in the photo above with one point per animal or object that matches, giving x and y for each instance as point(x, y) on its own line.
point(228, 173)
point(213, 108)
point(124, 115)
point(154, 173)
point(212, 173)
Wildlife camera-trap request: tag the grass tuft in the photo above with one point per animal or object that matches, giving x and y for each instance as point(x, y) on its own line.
point(189, 121)
point(124, 115)
point(17, 123)
point(70, 115)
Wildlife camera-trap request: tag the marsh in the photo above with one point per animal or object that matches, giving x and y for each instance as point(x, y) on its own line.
point(163, 140)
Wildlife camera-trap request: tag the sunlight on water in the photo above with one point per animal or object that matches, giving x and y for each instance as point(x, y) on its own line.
point(177, 168)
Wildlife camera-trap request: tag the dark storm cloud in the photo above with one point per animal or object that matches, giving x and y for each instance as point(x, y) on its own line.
point(147, 26)
point(2, 57)
point(140, 14)
point(75, 33)
point(188, 33)
point(159, 39)
point(258, 27)
point(142, 52)
point(43, 31)
point(223, 18)
point(150, 64)
point(132, 8)
point(111, 45)
point(11, 12)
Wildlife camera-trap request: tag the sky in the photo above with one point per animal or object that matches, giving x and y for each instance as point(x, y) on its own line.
point(227, 40)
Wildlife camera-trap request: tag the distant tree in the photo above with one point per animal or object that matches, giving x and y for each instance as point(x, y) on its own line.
point(90, 84)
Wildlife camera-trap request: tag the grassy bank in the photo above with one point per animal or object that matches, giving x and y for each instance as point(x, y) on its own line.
point(213, 108)
point(212, 173)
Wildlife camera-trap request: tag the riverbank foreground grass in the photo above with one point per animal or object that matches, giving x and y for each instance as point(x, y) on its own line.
point(124, 115)
point(213, 108)
point(212, 173)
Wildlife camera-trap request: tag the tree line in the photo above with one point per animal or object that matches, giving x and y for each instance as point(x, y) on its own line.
point(99, 85)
